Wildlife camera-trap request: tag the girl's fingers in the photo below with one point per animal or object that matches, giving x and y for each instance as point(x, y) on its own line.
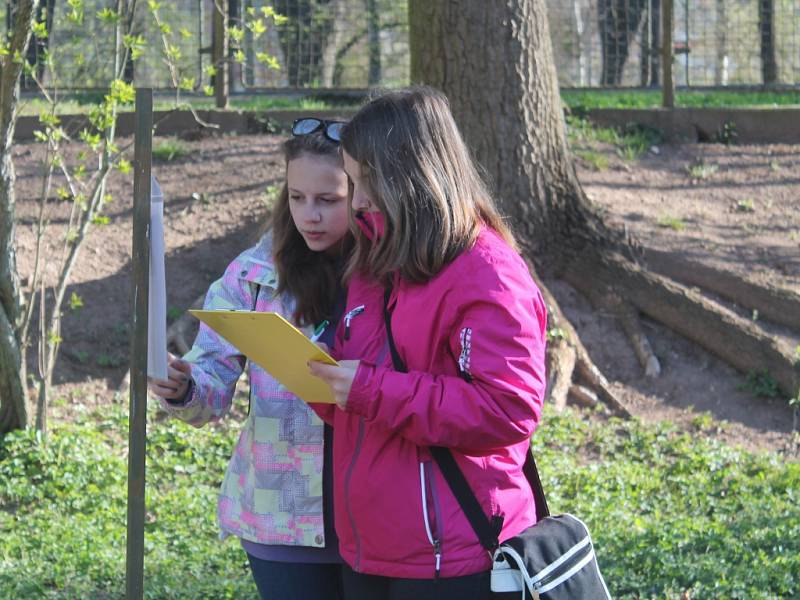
point(164, 383)
point(163, 391)
point(183, 366)
point(175, 374)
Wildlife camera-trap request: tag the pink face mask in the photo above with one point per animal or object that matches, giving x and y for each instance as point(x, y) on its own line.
point(371, 223)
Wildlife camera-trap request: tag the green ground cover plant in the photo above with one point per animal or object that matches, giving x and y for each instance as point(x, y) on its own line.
point(80, 104)
point(168, 149)
point(674, 514)
point(582, 100)
point(578, 101)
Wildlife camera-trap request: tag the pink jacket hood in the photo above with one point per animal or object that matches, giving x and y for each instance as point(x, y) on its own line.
point(473, 340)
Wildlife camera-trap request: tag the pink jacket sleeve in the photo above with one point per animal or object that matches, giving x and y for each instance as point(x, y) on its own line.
point(498, 398)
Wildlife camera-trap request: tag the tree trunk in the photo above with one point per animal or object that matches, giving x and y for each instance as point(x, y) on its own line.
point(337, 12)
point(721, 66)
point(655, 42)
point(374, 39)
point(766, 27)
point(618, 21)
point(495, 63)
point(303, 38)
point(13, 395)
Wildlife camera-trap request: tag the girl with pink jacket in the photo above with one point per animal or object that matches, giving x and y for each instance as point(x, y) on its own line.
point(433, 256)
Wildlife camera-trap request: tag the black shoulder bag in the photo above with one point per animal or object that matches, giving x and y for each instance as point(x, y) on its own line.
point(552, 559)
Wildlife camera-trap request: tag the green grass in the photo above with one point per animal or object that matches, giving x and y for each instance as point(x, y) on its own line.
point(701, 170)
point(582, 100)
point(81, 104)
point(670, 222)
point(670, 512)
point(169, 149)
point(596, 160)
point(578, 101)
point(631, 142)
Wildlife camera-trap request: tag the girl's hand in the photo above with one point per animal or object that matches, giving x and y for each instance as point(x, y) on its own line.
point(179, 373)
point(339, 378)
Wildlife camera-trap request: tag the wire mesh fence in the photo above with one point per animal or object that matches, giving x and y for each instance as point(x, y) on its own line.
point(602, 43)
point(345, 44)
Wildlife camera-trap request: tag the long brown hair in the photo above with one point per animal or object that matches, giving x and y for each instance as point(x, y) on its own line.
point(424, 181)
point(312, 278)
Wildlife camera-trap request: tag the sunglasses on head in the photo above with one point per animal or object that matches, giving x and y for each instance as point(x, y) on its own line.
point(331, 129)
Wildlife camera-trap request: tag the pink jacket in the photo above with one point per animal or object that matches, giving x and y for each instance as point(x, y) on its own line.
point(473, 340)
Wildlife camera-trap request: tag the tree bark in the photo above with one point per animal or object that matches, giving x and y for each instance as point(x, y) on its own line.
point(618, 21)
point(334, 41)
point(766, 27)
point(13, 395)
point(495, 63)
point(374, 38)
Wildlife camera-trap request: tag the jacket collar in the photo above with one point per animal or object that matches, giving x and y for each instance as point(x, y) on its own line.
point(257, 265)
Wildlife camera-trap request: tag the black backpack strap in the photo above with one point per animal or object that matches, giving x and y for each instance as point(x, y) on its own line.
point(532, 475)
point(487, 530)
point(398, 363)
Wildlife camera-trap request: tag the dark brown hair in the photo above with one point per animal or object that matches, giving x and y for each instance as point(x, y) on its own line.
point(424, 181)
point(312, 278)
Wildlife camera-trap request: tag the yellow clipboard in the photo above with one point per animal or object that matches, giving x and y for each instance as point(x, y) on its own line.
point(276, 346)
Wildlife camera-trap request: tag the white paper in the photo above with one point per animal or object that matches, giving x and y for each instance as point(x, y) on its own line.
point(157, 301)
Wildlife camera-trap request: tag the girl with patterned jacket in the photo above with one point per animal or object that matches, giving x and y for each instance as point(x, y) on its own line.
point(434, 259)
point(277, 495)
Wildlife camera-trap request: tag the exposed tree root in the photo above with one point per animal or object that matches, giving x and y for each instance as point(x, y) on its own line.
point(632, 326)
point(737, 341)
point(583, 396)
point(569, 360)
point(772, 303)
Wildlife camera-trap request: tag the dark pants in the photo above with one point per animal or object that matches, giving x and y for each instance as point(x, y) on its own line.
point(358, 586)
point(296, 581)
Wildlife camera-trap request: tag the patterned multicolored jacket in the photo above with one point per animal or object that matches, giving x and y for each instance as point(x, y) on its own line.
point(272, 492)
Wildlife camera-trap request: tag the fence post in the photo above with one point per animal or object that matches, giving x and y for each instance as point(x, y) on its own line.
point(137, 423)
point(667, 54)
point(219, 52)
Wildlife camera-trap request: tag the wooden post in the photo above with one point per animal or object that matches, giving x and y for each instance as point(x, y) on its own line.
point(137, 424)
point(668, 87)
point(219, 53)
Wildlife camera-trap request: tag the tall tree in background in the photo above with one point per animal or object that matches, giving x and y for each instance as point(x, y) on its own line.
point(766, 29)
point(13, 394)
point(374, 40)
point(618, 20)
point(495, 63)
point(304, 38)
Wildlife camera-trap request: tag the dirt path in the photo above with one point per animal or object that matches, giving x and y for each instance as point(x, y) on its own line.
point(733, 207)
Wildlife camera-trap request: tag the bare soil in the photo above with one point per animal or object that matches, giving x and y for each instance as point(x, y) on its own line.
point(738, 210)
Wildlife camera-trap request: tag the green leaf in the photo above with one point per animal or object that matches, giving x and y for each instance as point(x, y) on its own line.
point(269, 60)
point(236, 34)
point(124, 166)
point(39, 30)
point(75, 301)
point(93, 140)
point(108, 16)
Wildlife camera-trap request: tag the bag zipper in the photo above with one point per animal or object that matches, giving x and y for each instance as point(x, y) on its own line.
point(349, 317)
